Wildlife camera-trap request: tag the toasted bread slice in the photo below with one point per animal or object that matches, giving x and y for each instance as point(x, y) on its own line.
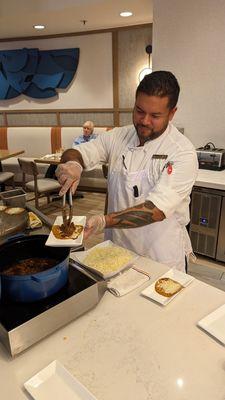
point(14, 210)
point(167, 287)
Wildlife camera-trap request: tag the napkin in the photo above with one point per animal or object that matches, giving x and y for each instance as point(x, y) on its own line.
point(127, 281)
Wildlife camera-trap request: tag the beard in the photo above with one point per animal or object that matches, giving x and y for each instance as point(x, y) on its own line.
point(145, 133)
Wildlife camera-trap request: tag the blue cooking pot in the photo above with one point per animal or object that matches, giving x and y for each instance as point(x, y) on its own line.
point(32, 286)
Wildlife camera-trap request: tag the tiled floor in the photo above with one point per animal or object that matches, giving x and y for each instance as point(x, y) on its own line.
point(204, 269)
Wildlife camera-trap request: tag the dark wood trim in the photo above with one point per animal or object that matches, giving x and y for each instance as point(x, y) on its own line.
point(58, 118)
point(57, 112)
point(54, 126)
point(60, 110)
point(5, 118)
point(88, 110)
point(126, 110)
point(82, 33)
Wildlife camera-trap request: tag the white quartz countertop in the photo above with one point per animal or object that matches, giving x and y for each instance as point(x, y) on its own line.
point(211, 179)
point(132, 348)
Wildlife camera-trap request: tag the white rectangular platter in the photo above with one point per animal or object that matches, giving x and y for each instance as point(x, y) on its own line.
point(80, 257)
point(174, 274)
point(53, 241)
point(55, 382)
point(214, 323)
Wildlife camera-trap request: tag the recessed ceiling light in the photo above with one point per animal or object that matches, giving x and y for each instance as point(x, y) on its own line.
point(39, 27)
point(126, 14)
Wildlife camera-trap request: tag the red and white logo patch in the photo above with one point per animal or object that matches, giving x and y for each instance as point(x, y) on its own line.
point(169, 168)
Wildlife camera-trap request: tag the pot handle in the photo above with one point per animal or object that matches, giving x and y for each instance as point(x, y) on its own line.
point(16, 236)
point(45, 278)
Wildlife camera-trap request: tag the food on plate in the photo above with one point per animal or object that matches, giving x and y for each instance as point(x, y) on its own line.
point(108, 259)
point(34, 221)
point(14, 210)
point(167, 287)
point(3, 208)
point(69, 233)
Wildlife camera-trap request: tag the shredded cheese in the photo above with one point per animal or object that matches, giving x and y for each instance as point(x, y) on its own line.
point(169, 286)
point(108, 259)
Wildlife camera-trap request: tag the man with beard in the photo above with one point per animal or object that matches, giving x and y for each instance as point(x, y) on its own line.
point(152, 168)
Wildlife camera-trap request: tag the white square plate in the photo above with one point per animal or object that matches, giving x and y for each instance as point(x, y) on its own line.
point(174, 274)
point(80, 256)
point(53, 241)
point(56, 383)
point(214, 323)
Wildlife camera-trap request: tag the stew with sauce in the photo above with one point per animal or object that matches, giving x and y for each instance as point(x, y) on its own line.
point(29, 266)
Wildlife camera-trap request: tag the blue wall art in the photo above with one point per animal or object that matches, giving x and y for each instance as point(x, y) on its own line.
point(36, 73)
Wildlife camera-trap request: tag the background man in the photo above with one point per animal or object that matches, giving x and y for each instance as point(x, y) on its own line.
point(152, 168)
point(88, 134)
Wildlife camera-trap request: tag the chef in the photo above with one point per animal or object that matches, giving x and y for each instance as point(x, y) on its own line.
point(151, 170)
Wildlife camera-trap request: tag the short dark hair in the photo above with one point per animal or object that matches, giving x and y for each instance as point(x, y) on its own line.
point(162, 84)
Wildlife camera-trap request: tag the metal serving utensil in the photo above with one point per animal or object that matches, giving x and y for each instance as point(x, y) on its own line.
point(67, 218)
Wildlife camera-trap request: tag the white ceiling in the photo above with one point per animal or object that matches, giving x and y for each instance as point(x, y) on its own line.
point(17, 17)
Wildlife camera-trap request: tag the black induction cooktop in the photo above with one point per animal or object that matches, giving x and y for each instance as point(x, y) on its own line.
point(13, 315)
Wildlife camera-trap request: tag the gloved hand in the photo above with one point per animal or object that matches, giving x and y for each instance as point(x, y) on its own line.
point(95, 224)
point(68, 175)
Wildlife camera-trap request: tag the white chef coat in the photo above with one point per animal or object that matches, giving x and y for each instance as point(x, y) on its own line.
point(163, 171)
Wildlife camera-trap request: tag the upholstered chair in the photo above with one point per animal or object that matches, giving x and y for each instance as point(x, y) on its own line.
point(40, 186)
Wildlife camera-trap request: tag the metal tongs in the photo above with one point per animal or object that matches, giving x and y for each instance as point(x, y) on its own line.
point(67, 219)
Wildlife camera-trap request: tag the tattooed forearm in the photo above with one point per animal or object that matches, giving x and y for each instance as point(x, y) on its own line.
point(134, 217)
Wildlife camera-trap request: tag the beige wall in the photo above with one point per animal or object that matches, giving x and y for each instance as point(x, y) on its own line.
point(132, 59)
point(188, 39)
point(92, 85)
point(90, 96)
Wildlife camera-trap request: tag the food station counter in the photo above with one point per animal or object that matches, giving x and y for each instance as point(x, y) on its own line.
point(132, 348)
point(211, 179)
point(127, 347)
point(207, 225)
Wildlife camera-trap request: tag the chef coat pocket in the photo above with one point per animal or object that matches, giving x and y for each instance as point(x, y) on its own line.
point(139, 200)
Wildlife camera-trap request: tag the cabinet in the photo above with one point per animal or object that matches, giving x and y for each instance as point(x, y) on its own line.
point(207, 225)
point(220, 254)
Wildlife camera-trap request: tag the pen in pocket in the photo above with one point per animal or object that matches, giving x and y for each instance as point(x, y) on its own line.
point(123, 157)
point(135, 189)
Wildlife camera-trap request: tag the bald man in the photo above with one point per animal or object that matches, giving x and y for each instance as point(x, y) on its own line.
point(88, 134)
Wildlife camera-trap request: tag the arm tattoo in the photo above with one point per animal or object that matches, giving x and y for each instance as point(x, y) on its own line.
point(134, 217)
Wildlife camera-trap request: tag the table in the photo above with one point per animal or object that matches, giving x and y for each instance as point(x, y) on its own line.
point(55, 160)
point(4, 154)
point(132, 348)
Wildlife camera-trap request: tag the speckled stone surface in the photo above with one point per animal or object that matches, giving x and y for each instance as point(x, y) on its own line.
point(211, 179)
point(132, 348)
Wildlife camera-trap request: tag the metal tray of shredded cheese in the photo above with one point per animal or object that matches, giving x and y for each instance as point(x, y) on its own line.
point(105, 259)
